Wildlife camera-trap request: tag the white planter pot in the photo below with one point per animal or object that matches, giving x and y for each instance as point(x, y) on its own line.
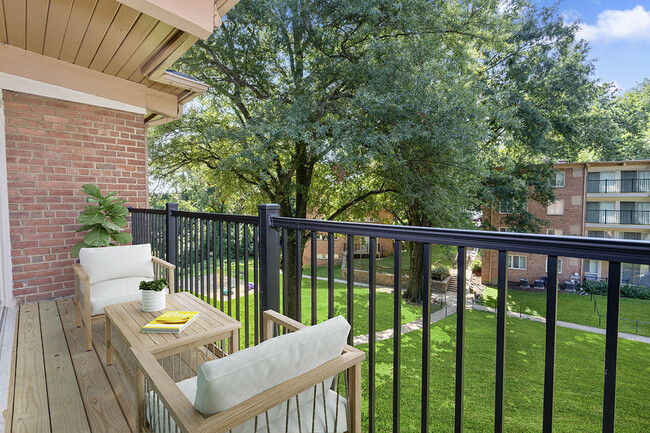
point(153, 301)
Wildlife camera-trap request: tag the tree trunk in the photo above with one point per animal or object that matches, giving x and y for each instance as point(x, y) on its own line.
point(414, 292)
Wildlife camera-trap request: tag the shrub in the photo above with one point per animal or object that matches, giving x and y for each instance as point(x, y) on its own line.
point(477, 266)
point(439, 272)
point(627, 290)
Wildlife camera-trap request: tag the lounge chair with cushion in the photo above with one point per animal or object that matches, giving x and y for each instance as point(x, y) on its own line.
point(112, 275)
point(304, 380)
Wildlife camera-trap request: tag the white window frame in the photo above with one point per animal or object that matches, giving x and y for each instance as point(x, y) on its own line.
point(321, 237)
point(559, 266)
point(556, 232)
point(321, 256)
point(552, 208)
point(506, 230)
point(511, 261)
point(559, 175)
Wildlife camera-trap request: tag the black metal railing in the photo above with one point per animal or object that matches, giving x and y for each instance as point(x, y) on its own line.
point(272, 294)
point(606, 216)
point(618, 185)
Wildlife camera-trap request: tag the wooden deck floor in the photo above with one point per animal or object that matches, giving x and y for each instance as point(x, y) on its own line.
point(58, 386)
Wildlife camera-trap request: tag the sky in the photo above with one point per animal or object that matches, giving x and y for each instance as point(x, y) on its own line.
point(618, 32)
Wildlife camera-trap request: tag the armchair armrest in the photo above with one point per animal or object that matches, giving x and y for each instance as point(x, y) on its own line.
point(178, 406)
point(80, 272)
point(170, 272)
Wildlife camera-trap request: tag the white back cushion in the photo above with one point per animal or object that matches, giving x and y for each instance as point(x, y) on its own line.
point(109, 263)
point(225, 382)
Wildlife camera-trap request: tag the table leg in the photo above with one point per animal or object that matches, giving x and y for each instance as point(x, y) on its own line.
point(109, 348)
point(233, 341)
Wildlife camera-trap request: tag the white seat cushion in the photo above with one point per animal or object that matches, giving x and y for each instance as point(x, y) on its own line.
point(115, 292)
point(307, 414)
point(225, 382)
point(110, 263)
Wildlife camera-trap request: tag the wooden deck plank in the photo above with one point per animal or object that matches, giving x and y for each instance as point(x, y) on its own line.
point(102, 408)
point(119, 382)
point(8, 414)
point(67, 412)
point(31, 413)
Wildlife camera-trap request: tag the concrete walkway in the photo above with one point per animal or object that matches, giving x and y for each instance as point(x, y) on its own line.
point(623, 335)
point(451, 309)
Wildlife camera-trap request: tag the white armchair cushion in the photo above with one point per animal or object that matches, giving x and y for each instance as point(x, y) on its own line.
point(110, 263)
point(225, 382)
point(308, 414)
point(115, 291)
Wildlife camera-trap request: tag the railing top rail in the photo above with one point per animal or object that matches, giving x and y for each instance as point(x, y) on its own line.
point(622, 250)
point(244, 219)
point(147, 211)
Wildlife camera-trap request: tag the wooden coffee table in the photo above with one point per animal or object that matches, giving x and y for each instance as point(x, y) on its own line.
point(123, 323)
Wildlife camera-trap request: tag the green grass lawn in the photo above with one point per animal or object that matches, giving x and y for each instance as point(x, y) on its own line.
point(576, 308)
point(579, 379)
point(384, 317)
point(440, 255)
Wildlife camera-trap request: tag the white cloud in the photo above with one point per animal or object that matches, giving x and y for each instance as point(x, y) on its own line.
point(612, 25)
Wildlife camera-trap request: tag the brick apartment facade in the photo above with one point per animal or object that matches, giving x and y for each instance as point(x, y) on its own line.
point(598, 199)
point(53, 147)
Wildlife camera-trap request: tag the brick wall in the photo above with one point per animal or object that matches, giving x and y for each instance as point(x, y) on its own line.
point(570, 222)
point(53, 148)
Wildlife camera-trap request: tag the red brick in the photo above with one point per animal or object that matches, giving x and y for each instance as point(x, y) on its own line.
point(46, 169)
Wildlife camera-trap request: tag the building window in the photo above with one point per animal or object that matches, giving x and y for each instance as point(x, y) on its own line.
point(321, 256)
point(559, 266)
point(635, 236)
point(504, 209)
point(599, 234)
point(555, 232)
point(591, 267)
point(321, 237)
point(558, 182)
point(506, 230)
point(517, 262)
point(556, 208)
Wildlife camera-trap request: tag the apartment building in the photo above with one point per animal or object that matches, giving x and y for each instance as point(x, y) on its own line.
point(597, 199)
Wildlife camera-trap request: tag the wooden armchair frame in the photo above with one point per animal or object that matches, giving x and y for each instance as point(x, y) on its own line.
point(189, 420)
point(82, 295)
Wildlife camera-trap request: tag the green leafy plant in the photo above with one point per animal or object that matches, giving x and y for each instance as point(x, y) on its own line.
point(477, 266)
point(104, 220)
point(440, 272)
point(155, 285)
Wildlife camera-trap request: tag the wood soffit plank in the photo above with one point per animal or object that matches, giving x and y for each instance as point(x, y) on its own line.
point(131, 40)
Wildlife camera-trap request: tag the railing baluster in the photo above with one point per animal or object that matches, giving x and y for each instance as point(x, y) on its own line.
point(330, 275)
point(256, 282)
point(192, 244)
point(229, 268)
point(215, 287)
point(372, 328)
point(397, 330)
point(202, 255)
point(246, 307)
point(611, 345)
point(461, 294)
point(285, 272)
point(314, 277)
point(549, 363)
point(221, 274)
point(237, 281)
point(502, 313)
point(350, 287)
point(298, 275)
point(426, 335)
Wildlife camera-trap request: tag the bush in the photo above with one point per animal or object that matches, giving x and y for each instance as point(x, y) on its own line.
point(627, 290)
point(439, 272)
point(477, 266)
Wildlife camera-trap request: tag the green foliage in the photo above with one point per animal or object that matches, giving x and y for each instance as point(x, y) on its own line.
point(440, 272)
point(155, 285)
point(104, 220)
point(477, 266)
point(627, 290)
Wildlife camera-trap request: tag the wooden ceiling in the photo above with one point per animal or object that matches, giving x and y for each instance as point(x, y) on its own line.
point(107, 36)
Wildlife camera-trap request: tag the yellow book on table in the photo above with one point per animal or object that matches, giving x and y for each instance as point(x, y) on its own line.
point(171, 321)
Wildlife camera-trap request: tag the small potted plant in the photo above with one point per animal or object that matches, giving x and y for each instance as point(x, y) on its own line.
point(153, 295)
